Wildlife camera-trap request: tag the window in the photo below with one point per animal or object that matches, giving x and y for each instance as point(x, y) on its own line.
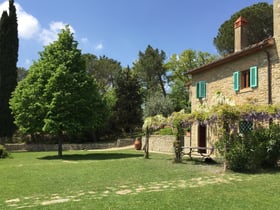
point(245, 79)
point(201, 89)
point(245, 127)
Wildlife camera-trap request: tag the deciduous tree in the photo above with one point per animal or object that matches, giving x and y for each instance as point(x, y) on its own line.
point(58, 96)
point(179, 66)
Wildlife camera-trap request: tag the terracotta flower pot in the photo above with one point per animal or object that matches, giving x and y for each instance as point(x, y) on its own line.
point(137, 144)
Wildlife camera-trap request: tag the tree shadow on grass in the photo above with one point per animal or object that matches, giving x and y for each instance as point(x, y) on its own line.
point(91, 156)
point(202, 161)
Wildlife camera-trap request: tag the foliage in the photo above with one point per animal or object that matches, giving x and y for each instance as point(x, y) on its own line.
point(254, 150)
point(156, 104)
point(21, 73)
point(58, 96)
point(104, 70)
point(129, 99)
point(181, 64)
point(8, 69)
point(260, 27)
point(228, 117)
point(225, 114)
point(166, 131)
point(151, 71)
point(175, 121)
point(154, 123)
point(180, 96)
point(3, 152)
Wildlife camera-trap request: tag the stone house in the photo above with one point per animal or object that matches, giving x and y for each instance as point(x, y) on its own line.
point(250, 73)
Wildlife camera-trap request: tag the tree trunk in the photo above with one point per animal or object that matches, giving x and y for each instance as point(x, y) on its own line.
point(60, 141)
point(178, 144)
point(225, 160)
point(146, 154)
point(162, 86)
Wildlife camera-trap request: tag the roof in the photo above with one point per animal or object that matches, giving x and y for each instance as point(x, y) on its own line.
point(236, 55)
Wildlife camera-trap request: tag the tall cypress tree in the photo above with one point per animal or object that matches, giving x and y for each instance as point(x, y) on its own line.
point(8, 68)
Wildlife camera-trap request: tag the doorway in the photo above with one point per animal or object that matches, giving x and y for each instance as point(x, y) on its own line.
point(202, 137)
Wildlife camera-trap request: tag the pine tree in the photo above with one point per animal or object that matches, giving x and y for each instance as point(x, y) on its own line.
point(260, 27)
point(8, 68)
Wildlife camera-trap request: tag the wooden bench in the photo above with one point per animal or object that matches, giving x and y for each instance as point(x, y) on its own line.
point(205, 152)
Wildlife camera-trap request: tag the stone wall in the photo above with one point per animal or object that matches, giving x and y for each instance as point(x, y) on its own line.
point(158, 143)
point(54, 147)
point(220, 79)
point(162, 143)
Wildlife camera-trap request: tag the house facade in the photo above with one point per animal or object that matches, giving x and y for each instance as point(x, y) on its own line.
point(249, 75)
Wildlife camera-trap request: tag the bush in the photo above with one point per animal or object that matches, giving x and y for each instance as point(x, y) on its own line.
point(252, 151)
point(3, 152)
point(166, 131)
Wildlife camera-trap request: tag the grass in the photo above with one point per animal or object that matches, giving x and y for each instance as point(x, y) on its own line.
point(124, 180)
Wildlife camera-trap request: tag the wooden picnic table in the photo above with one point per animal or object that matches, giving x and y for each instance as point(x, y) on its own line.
point(205, 152)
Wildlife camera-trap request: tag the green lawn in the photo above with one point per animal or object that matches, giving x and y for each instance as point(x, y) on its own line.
point(124, 180)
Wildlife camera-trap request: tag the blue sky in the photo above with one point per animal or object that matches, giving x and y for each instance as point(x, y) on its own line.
point(119, 29)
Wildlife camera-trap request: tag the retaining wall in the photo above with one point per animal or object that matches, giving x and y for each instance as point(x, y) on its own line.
point(158, 143)
point(54, 147)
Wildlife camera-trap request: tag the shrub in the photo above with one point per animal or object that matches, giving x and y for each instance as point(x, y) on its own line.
point(252, 151)
point(3, 152)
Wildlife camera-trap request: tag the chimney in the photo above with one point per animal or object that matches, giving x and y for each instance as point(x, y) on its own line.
point(240, 34)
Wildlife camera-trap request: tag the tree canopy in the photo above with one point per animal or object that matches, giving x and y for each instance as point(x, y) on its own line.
point(151, 70)
point(103, 69)
point(58, 96)
point(129, 99)
point(181, 64)
point(260, 27)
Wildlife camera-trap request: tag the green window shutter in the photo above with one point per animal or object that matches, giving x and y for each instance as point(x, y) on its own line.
point(197, 90)
point(201, 89)
point(236, 83)
point(254, 76)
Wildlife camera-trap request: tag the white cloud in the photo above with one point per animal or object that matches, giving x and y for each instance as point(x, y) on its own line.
point(99, 46)
point(49, 35)
point(28, 26)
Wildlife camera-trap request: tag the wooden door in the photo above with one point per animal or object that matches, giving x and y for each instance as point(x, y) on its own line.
point(202, 137)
